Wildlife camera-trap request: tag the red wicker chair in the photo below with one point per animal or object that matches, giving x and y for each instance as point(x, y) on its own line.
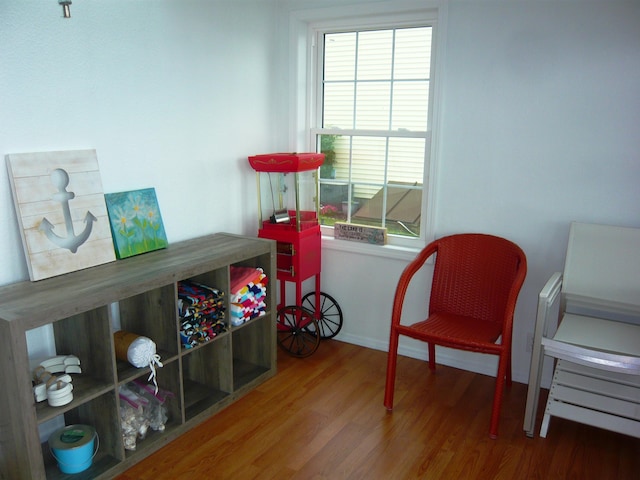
point(475, 286)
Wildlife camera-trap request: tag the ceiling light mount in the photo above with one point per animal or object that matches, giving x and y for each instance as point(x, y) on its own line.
point(66, 10)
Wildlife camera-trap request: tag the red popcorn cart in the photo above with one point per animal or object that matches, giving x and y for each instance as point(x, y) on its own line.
point(288, 209)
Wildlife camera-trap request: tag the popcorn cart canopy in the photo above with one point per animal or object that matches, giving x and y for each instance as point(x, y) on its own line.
point(286, 162)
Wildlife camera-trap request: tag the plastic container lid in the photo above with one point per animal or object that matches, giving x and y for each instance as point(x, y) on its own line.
point(72, 436)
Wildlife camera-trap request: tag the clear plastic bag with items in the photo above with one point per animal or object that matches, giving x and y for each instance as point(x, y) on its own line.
point(141, 409)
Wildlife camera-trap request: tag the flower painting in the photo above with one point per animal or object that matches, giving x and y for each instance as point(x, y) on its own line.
point(136, 223)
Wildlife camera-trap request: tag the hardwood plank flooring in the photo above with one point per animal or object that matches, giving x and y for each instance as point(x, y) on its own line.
point(322, 418)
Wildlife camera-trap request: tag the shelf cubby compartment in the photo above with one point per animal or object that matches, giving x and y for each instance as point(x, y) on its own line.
point(206, 375)
point(153, 314)
point(168, 378)
point(215, 279)
point(253, 351)
point(81, 335)
point(102, 414)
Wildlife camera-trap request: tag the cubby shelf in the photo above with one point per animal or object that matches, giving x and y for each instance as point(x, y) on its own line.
point(81, 307)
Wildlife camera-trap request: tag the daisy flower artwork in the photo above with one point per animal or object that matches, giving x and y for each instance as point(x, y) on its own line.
point(136, 223)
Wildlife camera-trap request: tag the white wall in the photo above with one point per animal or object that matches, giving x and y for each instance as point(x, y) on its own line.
point(539, 127)
point(539, 124)
point(172, 95)
point(542, 107)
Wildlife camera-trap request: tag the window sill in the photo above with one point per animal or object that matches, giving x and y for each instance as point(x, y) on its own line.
point(386, 251)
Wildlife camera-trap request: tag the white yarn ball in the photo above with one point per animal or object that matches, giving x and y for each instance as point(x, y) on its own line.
point(141, 352)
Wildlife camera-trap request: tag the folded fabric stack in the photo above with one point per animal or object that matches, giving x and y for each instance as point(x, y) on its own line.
point(248, 287)
point(201, 309)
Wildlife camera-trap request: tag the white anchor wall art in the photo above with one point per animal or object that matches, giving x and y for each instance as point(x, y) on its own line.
point(61, 210)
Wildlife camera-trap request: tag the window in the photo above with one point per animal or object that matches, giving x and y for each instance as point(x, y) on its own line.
point(372, 120)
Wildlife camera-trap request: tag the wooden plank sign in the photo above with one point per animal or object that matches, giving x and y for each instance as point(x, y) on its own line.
point(61, 211)
point(360, 233)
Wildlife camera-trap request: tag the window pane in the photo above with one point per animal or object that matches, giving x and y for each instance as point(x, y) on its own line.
point(368, 160)
point(406, 160)
point(410, 106)
point(404, 207)
point(330, 146)
point(413, 54)
point(340, 56)
point(342, 146)
point(367, 209)
point(373, 101)
point(338, 105)
point(401, 206)
point(334, 203)
point(374, 55)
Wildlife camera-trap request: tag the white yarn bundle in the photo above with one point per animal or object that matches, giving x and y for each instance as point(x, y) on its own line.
point(142, 353)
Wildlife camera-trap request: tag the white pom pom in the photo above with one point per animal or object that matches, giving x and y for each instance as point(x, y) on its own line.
point(142, 353)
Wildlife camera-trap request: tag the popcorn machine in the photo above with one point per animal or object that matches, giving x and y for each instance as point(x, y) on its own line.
point(288, 210)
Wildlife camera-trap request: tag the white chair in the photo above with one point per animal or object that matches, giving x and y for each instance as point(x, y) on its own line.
point(595, 339)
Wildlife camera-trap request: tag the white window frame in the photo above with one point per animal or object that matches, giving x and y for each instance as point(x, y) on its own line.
point(304, 27)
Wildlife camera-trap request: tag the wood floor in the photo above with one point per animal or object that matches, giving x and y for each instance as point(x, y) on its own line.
point(322, 418)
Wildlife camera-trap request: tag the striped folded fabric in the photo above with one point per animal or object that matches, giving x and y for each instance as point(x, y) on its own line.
point(202, 313)
point(248, 290)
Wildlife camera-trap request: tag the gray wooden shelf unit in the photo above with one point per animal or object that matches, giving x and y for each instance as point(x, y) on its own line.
point(142, 291)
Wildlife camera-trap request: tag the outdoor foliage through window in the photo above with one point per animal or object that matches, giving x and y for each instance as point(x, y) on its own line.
point(374, 128)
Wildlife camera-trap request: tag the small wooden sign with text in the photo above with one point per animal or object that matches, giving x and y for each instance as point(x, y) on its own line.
point(360, 233)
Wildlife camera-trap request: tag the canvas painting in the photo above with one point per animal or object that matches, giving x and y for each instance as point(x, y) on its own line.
point(61, 211)
point(136, 223)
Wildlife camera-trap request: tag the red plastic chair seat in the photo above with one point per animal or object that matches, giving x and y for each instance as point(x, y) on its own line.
point(457, 330)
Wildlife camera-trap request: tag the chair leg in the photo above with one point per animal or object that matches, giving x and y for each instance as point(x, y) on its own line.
point(509, 369)
point(392, 358)
point(544, 428)
point(432, 356)
point(497, 396)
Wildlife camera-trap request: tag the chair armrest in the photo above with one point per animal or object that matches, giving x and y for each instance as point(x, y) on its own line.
point(552, 287)
point(546, 299)
point(405, 279)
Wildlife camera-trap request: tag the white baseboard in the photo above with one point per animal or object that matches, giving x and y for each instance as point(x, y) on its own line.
point(445, 356)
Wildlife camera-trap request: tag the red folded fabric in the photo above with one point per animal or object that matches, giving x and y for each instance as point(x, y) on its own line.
point(243, 276)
